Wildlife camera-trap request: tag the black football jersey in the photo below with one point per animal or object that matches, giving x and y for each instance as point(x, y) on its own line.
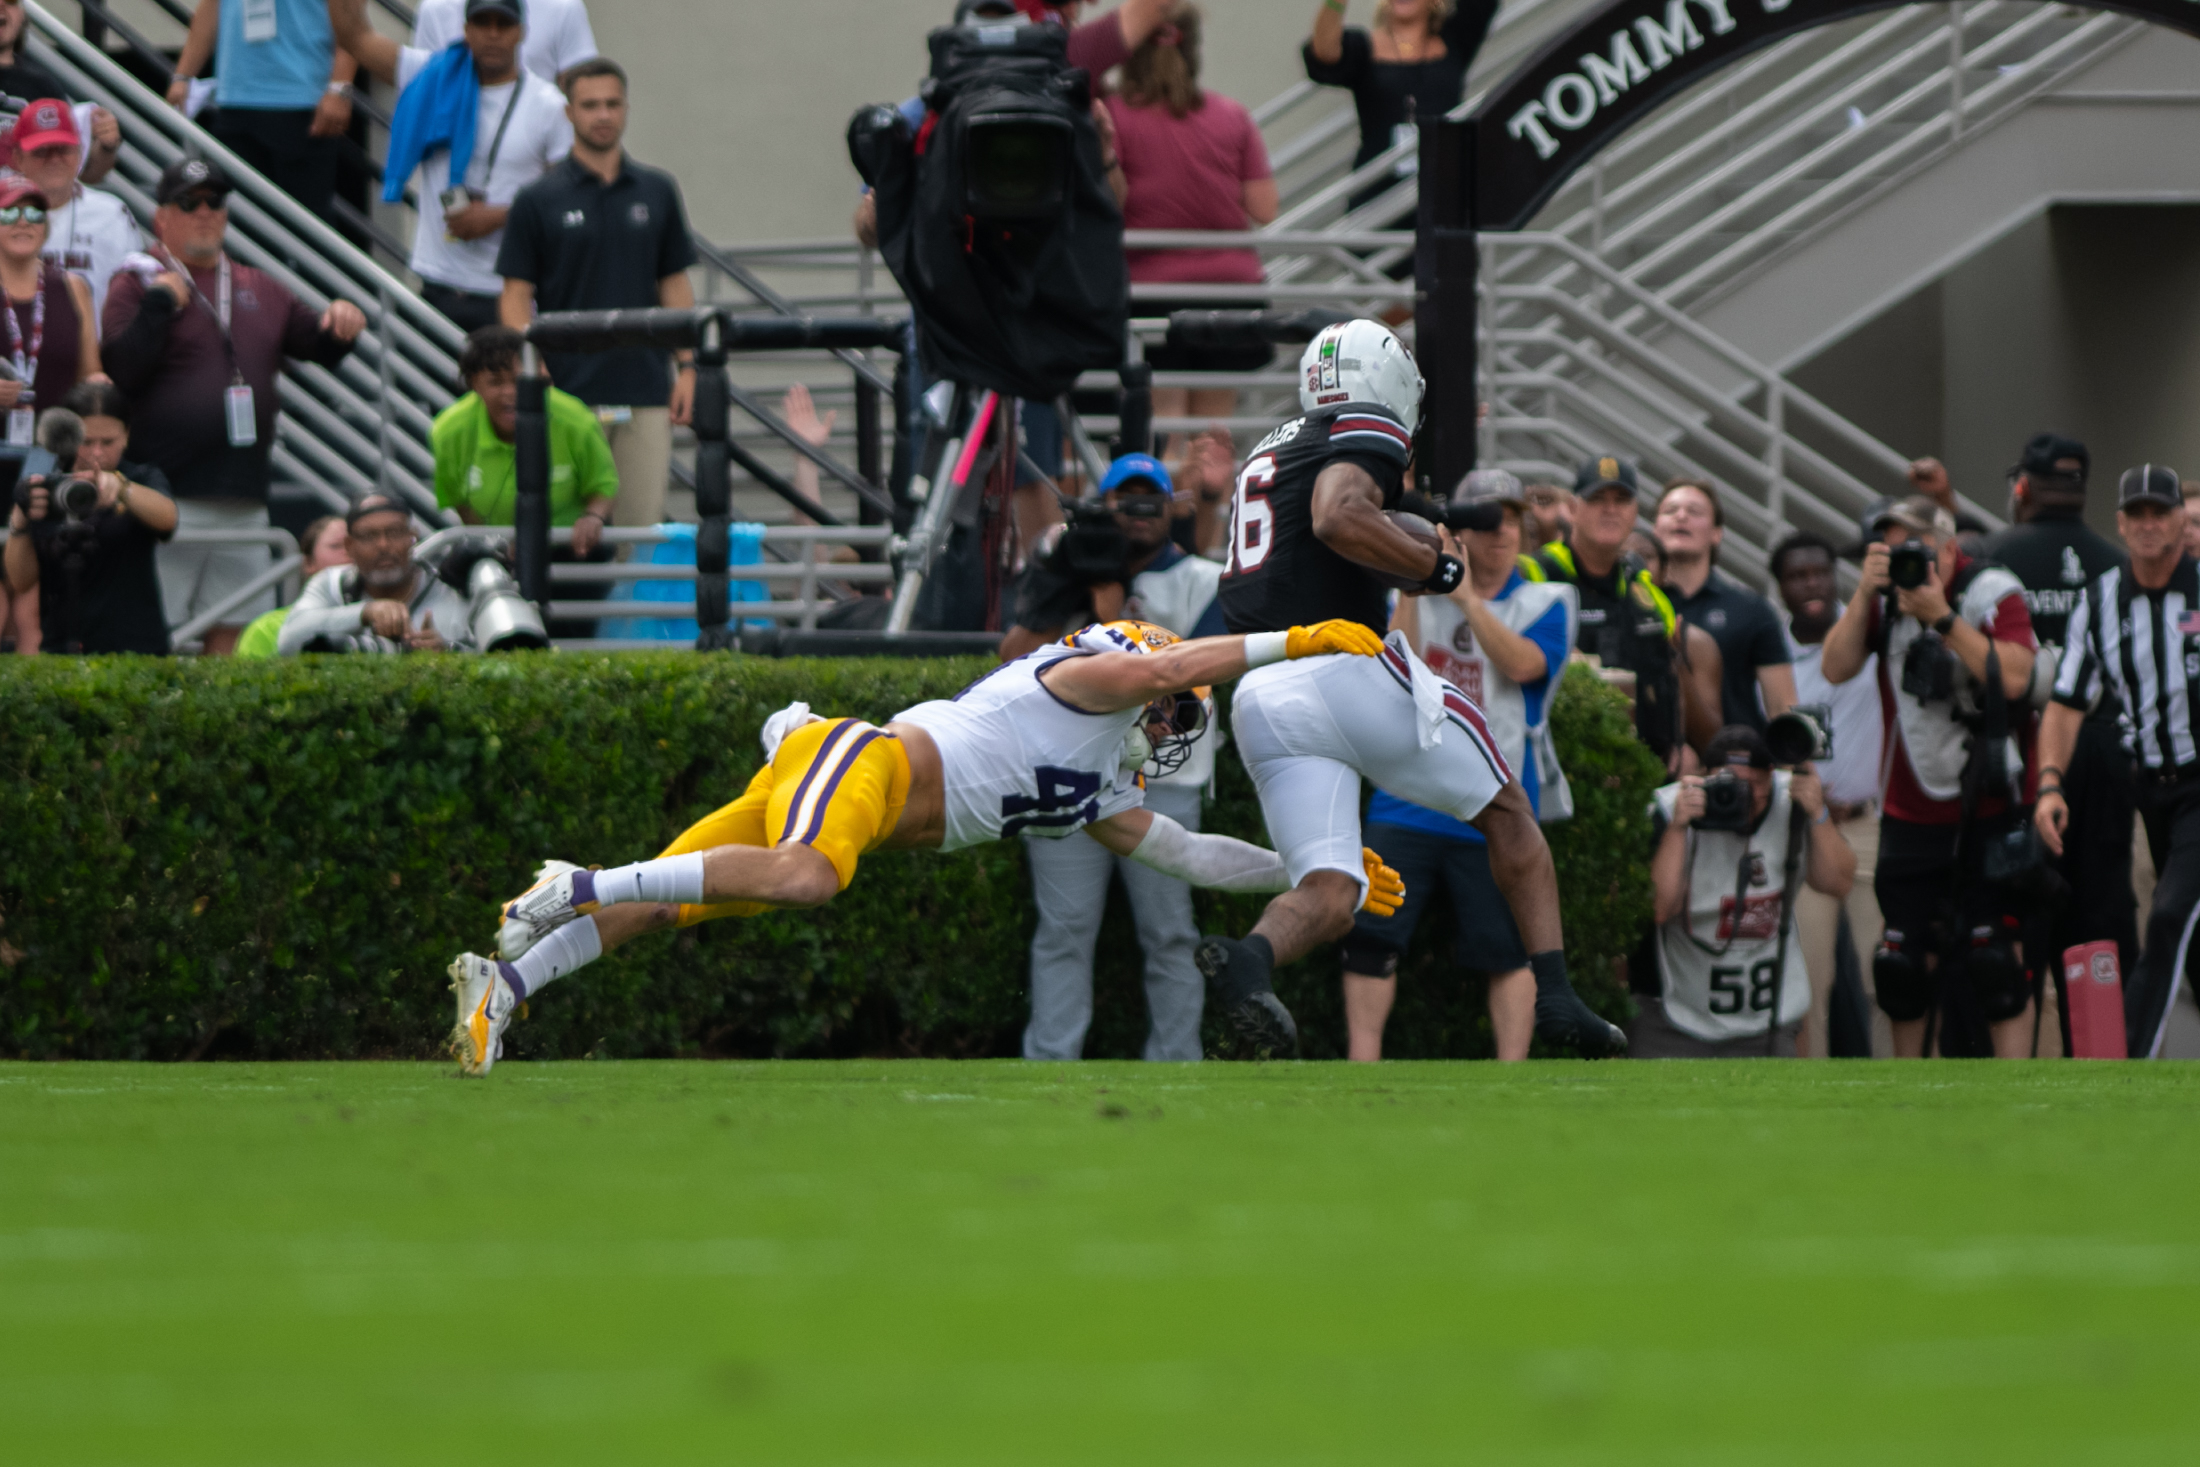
point(1279, 574)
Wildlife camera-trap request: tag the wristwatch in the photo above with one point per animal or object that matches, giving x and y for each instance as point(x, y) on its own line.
point(1946, 624)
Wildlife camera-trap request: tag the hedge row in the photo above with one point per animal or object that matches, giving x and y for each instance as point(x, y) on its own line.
point(277, 860)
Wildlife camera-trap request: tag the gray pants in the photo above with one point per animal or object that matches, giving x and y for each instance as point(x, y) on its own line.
point(1069, 880)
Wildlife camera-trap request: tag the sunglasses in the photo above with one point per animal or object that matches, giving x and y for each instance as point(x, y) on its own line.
point(22, 213)
point(192, 203)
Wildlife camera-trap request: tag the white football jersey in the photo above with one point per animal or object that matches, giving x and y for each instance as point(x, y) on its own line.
point(1714, 963)
point(1017, 759)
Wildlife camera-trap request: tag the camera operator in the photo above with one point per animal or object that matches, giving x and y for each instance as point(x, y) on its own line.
point(2052, 551)
point(84, 538)
point(1950, 787)
point(2125, 614)
point(384, 601)
point(1726, 940)
point(1128, 543)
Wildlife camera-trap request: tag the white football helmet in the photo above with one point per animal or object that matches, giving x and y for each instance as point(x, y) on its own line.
point(1360, 361)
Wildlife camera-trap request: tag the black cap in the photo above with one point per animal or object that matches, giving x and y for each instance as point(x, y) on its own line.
point(511, 8)
point(190, 175)
point(1737, 743)
point(1610, 468)
point(374, 502)
point(2045, 450)
point(2150, 484)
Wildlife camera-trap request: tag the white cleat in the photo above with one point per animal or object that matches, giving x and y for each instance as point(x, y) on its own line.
point(540, 910)
point(485, 1004)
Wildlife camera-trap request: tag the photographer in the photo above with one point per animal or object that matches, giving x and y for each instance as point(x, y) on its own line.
point(90, 556)
point(1726, 935)
point(383, 601)
point(1952, 780)
point(1070, 877)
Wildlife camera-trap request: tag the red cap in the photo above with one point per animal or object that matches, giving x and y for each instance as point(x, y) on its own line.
point(45, 122)
point(15, 188)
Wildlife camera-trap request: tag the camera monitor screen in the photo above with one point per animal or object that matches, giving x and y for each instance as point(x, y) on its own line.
point(1017, 166)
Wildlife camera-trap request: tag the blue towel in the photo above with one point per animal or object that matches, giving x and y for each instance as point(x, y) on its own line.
point(745, 546)
point(436, 110)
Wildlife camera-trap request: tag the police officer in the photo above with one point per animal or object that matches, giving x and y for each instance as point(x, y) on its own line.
point(2056, 556)
point(1626, 622)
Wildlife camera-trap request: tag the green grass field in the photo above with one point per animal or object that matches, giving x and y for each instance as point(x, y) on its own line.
point(997, 1263)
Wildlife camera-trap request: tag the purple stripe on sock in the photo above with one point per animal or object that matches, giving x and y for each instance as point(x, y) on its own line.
point(584, 888)
point(846, 762)
point(512, 980)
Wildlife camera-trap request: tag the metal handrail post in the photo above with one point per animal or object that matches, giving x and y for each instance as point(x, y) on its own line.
point(713, 489)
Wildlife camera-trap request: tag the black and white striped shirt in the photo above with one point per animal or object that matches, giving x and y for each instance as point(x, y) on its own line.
point(2144, 646)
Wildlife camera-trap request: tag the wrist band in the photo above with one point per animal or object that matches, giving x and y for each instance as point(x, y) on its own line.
point(1945, 625)
point(1450, 571)
point(1262, 648)
point(2052, 789)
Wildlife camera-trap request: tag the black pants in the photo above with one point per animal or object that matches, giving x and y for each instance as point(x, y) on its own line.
point(2101, 789)
point(2172, 816)
point(467, 310)
point(278, 144)
point(1918, 887)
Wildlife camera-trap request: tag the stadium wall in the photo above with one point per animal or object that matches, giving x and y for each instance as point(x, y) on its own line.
point(214, 860)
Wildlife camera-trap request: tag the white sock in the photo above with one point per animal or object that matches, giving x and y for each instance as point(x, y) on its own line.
point(666, 879)
point(566, 950)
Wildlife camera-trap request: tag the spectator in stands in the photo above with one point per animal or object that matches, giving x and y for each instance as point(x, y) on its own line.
point(476, 469)
point(89, 232)
point(558, 33)
point(324, 543)
point(1938, 917)
point(1722, 962)
point(27, 79)
point(1192, 159)
point(1177, 591)
point(1691, 524)
point(1102, 44)
point(1503, 640)
point(518, 130)
point(1549, 517)
point(282, 90)
point(601, 232)
point(1411, 68)
point(2191, 491)
point(196, 340)
point(1802, 567)
point(382, 601)
point(52, 338)
point(96, 588)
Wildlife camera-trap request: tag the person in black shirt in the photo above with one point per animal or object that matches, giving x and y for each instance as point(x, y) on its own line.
point(1753, 654)
point(29, 81)
point(97, 589)
point(600, 232)
point(1411, 67)
point(2134, 638)
point(2053, 552)
point(1310, 539)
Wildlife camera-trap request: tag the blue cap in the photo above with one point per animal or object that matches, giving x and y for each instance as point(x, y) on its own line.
point(1138, 466)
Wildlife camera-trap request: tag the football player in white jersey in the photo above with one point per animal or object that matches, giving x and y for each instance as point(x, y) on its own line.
point(1050, 743)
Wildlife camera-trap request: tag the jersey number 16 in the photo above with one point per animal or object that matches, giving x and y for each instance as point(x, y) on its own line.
point(1252, 518)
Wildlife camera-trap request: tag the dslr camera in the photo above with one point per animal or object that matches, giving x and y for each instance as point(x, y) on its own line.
point(1726, 803)
point(1910, 564)
point(72, 496)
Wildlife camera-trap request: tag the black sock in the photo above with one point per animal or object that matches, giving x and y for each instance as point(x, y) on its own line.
point(1549, 968)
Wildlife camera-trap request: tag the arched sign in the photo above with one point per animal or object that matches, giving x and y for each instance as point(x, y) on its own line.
point(1615, 67)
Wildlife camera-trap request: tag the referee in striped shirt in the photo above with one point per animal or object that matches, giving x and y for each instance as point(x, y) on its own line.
point(2136, 633)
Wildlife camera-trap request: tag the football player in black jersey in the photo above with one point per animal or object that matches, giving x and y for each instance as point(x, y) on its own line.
point(1309, 538)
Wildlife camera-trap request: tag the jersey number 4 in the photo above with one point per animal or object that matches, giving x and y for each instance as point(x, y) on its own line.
point(1065, 798)
point(1252, 518)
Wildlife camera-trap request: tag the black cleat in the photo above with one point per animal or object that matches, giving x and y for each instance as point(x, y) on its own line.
point(1562, 1018)
point(1237, 975)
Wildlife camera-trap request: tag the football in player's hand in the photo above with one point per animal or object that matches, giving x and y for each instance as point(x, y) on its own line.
point(1421, 530)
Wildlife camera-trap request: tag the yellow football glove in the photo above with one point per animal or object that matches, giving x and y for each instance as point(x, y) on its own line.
point(1386, 889)
point(1326, 637)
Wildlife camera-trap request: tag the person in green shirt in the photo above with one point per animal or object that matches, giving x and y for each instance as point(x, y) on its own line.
point(324, 543)
point(475, 472)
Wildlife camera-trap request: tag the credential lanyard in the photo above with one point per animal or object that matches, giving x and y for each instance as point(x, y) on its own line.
point(496, 143)
point(22, 416)
point(237, 409)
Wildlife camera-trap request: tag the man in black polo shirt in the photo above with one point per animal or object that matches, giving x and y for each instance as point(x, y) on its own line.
point(600, 232)
point(1753, 653)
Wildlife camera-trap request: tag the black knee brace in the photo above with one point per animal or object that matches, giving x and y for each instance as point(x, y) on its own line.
point(1998, 980)
point(1370, 957)
point(1903, 987)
